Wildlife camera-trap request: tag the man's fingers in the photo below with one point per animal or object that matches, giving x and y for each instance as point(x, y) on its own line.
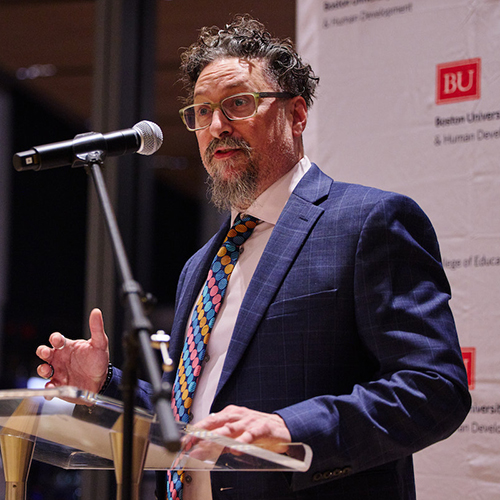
point(57, 340)
point(216, 420)
point(45, 370)
point(249, 427)
point(44, 352)
point(96, 324)
point(231, 421)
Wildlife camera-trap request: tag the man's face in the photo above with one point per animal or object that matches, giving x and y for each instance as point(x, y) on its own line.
point(243, 157)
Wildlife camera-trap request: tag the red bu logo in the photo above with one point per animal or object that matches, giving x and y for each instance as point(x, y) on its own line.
point(458, 81)
point(469, 356)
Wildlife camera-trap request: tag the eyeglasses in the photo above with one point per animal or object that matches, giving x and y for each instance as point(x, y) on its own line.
point(235, 107)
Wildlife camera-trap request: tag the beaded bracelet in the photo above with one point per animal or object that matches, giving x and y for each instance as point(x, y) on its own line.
point(108, 379)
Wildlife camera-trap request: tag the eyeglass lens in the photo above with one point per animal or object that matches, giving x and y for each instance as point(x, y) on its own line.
point(235, 107)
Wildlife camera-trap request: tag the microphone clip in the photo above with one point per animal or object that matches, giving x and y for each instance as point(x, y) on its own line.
point(82, 157)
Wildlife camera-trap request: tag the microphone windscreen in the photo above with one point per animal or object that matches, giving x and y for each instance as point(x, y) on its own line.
point(151, 137)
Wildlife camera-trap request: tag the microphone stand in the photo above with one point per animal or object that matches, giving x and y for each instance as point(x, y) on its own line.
point(137, 338)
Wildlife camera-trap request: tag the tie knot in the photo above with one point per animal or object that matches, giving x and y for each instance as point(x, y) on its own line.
point(241, 229)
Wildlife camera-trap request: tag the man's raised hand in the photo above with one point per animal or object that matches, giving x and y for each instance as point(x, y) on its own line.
point(80, 363)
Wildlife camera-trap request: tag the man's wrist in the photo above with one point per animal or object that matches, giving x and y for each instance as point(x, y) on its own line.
point(109, 376)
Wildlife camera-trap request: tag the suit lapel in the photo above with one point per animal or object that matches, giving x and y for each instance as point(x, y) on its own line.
point(293, 227)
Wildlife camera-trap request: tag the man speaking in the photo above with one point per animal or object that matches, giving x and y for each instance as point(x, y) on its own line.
point(317, 314)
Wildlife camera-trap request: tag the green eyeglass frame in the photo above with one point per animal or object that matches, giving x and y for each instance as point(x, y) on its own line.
point(191, 114)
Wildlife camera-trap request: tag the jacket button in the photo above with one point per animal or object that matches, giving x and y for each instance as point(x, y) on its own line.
point(318, 476)
point(324, 476)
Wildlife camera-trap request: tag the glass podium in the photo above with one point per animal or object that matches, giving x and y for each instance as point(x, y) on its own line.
point(75, 429)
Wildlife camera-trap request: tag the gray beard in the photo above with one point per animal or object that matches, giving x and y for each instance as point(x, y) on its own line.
point(240, 191)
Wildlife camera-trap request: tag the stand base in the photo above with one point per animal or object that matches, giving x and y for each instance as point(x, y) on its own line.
point(139, 448)
point(15, 490)
point(16, 455)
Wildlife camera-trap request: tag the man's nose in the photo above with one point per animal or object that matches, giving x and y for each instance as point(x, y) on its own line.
point(220, 125)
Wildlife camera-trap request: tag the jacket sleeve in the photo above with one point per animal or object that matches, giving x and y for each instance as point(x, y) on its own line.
point(143, 391)
point(418, 394)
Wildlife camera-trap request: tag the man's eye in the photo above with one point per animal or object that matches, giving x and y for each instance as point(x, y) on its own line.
point(240, 101)
point(203, 111)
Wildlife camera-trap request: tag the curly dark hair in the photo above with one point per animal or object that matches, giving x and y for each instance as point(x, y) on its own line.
point(247, 38)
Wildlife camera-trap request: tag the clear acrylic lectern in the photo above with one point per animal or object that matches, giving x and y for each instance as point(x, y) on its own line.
point(75, 429)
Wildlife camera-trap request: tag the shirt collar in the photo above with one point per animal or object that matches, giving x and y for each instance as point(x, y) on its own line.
point(269, 205)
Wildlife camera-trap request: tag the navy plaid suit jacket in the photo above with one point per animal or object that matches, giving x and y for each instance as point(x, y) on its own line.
point(345, 331)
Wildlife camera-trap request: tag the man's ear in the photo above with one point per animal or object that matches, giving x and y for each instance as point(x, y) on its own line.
point(299, 115)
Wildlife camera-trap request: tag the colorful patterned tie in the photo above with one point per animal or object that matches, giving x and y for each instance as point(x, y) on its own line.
point(202, 321)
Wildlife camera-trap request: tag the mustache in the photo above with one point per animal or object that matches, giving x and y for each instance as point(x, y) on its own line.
point(227, 143)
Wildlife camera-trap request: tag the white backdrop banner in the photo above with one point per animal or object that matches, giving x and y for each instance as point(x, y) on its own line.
point(409, 101)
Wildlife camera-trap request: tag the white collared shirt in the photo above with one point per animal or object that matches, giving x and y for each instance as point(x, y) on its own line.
point(267, 207)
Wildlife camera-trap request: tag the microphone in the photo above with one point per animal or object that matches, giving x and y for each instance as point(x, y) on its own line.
point(144, 138)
